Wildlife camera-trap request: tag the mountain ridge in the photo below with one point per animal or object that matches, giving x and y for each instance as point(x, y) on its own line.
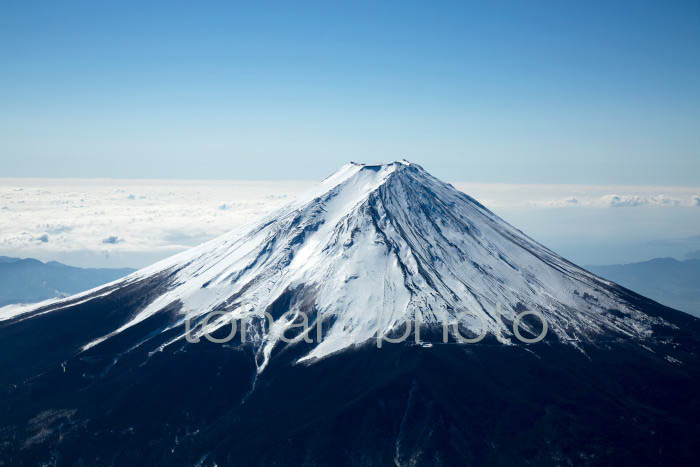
point(673, 282)
point(28, 280)
point(109, 377)
point(432, 249)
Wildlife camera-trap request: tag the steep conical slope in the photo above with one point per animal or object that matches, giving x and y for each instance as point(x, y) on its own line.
point(109, 377)
point(375, 246)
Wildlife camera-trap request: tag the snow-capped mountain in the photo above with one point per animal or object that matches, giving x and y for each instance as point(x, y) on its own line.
point(372, 247)
point(372, 250)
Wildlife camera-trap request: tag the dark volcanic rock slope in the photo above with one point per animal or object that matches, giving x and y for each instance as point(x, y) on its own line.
point(108, 378)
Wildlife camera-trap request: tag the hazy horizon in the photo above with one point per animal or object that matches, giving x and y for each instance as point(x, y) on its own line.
point(132, 223)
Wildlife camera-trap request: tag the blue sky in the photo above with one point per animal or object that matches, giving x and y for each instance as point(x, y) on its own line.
point(517, 92)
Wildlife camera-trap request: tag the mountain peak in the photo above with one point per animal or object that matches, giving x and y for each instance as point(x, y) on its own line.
point(157, 368)
point(374, 247)
point(385, 169)
point(402, 162)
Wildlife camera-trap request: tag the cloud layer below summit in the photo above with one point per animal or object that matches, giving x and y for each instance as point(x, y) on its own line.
point(135, 222)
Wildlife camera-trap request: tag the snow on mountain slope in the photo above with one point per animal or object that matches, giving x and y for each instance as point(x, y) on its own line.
point(375, 246)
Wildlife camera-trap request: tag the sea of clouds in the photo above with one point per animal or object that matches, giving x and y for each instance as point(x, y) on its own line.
point(115, 223)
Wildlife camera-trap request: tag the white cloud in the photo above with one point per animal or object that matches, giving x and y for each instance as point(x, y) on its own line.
point(617, 201)
point(133, 222)
point(557, 203)
point(129, 219)
point(513, 196)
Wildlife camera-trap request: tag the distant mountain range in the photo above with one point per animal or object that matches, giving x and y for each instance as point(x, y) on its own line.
point(666, 280)
point(30, 280)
